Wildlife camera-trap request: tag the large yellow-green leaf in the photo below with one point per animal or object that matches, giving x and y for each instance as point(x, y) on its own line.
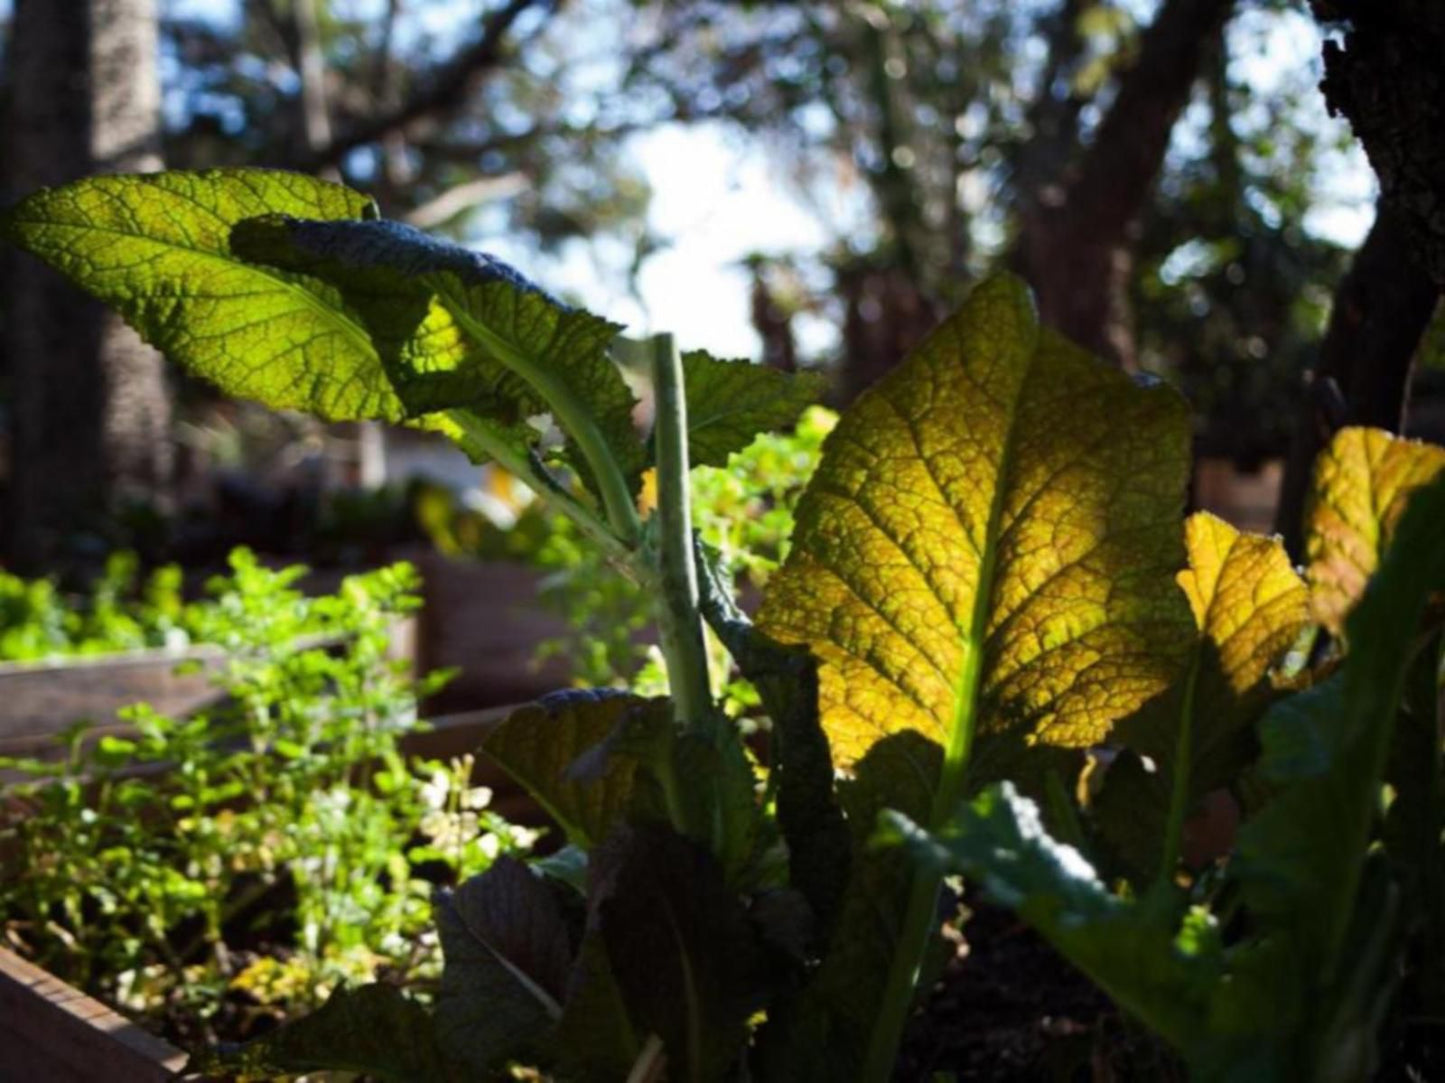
point(1362, 483)
point(987, 549)
point(1250, 607)
point(157, 247)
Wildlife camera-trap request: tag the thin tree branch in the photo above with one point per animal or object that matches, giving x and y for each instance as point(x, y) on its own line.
point(442, 209)
point(444, 94)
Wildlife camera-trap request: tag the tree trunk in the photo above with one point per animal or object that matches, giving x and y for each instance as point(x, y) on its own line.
point(91, 407)
point(1388, 78)
point(1075, 237)
point(1381, 310)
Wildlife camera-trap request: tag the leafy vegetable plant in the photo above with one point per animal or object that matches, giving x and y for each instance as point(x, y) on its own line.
point(151, 868)
point(988, 608)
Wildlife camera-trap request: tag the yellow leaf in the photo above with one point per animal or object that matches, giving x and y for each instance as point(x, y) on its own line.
point(1362, 483)
point(985, 555)
point(1250, 607)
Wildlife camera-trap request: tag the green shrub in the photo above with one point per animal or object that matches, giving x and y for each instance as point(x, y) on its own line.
point(285, 820)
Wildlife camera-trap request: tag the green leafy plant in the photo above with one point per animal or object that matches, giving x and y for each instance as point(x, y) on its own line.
point(981, 613)
point(38, 621)
point(743, 512)
point(138, 864)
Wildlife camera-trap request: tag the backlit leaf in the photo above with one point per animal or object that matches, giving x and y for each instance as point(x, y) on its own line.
point(729, 403)
point(157, 248)
point(543, 745)
point(1361, 485)
point(1249, 607)
point(489, 335)
point(986, 550)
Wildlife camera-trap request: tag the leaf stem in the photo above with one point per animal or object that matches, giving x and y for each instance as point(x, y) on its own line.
point(1179, 783)
point(679, 619)
point(516, 462)
point(571, 413)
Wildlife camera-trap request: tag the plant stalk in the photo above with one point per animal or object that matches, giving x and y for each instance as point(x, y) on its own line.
point(678, 616)
point(1179, 784)
point(575, 419)
point(920, 914)
point(519, 465)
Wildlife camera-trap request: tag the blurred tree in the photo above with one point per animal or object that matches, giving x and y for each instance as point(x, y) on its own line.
point(1387, 79)
point(1076, 233)
point(440, 108)
point(90, 408)
point(1046, 134)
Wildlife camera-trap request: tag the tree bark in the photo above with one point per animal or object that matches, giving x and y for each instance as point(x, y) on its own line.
point(91, 407)
point(1381, 310)
point(1075, 236)
point(1388, 79)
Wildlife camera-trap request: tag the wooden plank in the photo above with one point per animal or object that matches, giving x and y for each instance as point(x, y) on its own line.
point(54, 1033)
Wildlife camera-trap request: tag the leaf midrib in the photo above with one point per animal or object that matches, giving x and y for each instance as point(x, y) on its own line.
point(967, 692)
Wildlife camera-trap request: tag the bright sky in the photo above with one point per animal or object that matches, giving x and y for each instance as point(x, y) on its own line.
point(720, 198)
point(717, 199)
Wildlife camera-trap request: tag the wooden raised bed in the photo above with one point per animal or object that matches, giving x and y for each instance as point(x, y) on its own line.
point(41, 699)
point(53, 1033)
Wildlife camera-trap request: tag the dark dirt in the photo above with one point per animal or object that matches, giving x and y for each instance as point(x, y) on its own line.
point(1009, 1008)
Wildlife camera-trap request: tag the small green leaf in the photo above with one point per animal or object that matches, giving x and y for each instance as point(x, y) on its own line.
point(540, 745)
point(375, 1030)
point(507, 954)
point(730, 403)
point(1157, 971)
point(157, 248)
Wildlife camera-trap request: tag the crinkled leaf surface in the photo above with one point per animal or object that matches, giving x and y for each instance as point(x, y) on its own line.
point(508, 954)
point(375, 1030)
point(560, 748)
point(430, 361)
point(1362, 483)
point(486, 332)
point(1249, 607)
point(157, 248)
point(988, 545)
point(730, 403)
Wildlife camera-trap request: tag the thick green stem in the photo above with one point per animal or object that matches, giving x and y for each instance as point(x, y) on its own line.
point(678, 616)
point(920, 916)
